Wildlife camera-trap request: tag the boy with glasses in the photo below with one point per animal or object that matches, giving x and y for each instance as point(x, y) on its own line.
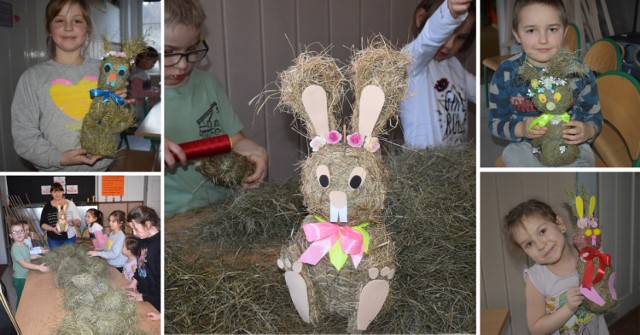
point(196, 107)
point(21, 258)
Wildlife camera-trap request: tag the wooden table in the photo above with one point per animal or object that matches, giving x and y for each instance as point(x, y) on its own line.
point(41, 306)
point(492, 320)
point(151, 126)
point(136, 160)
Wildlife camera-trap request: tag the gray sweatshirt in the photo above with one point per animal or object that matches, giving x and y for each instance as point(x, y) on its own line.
point(49, 104)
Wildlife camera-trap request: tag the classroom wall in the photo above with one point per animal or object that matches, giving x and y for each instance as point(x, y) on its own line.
point(501, 280)
point(251, 41)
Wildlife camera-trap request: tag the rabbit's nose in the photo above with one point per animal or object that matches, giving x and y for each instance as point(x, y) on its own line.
point(338, 206)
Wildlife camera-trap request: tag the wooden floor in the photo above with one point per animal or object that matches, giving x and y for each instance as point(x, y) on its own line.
point(628, 324)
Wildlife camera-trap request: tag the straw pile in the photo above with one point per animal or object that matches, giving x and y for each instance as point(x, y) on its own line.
point(229, 281)
point(226, 170)
point(93, 307)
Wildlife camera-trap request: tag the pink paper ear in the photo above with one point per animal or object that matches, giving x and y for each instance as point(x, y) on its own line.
point(592, 295)
point(314, 99)
point(371, 102)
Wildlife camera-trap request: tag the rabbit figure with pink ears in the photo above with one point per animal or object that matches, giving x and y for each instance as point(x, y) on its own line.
point(342, 259)
point(597, 277)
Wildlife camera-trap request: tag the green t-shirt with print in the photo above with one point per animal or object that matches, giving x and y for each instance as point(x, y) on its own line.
point(198, 109)
point(19, 252)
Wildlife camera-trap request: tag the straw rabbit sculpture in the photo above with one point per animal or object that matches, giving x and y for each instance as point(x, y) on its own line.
point(551, 94)
point(109, 115)
point(597, 277)
point(342, 259)
point(61, 225)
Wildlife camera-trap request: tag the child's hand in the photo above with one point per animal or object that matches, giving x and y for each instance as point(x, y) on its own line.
point(77, 157)
point(43, 268)
point(577, 132)
point(92, 253)
point(458, 7)
point(536, 131)
point(260, 160)
point(153, 316)
point(135, 296)
point(574, 299)
point(172, 151)
point(123, 94)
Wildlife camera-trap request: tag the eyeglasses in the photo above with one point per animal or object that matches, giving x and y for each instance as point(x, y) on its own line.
point(193, 56)
point(17, 232)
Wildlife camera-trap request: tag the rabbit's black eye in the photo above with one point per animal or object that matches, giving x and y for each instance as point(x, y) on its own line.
point(355, 182)
point(322, 173)
point(107, 68)
point(324, 181)
point(357, 177)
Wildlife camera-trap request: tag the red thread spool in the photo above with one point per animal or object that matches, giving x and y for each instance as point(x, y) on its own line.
point(207, 147)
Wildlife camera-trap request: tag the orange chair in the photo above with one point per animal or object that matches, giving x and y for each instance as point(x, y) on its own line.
point(618, 143)
point(604, 55)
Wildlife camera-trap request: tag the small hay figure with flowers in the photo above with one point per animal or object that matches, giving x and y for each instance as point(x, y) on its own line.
point(551, 94)
point(109, 115)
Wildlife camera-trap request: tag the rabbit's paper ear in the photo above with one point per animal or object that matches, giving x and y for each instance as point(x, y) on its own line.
point(592, 205)
point(371, 102)
point(579, 207)
point(314, 99)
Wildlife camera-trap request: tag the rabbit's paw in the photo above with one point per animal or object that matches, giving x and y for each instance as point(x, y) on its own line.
point(373, 296)
point(297, 287)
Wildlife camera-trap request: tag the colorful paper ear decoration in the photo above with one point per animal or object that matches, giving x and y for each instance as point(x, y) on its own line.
point(594, 266)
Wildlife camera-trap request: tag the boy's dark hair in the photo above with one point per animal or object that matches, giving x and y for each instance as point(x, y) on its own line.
point(16, 223)
point(53, 8)
point(184, 12)
point(555, 4)
point(524, 210)
point(151, 52)
point(97, 214)
point(56, 187)
point(430, 6)
point(132, 244)
point(142, 214)
point(120, 217)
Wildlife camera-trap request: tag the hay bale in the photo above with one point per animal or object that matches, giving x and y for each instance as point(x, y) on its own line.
point(429, 212)
point(226, 170)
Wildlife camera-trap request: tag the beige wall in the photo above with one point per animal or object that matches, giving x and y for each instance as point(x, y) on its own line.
point(251, 41)
point(501, 280)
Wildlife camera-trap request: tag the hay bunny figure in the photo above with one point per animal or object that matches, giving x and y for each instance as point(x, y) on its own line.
point(61, 225)
point(342, 259)
point(108, 115)
point(552, 96)
point(597, 277)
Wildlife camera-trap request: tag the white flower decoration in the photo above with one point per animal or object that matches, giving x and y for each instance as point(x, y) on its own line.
point(317, 143)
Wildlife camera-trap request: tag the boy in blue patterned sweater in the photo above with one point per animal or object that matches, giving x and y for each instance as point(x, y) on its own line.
point(539, 26)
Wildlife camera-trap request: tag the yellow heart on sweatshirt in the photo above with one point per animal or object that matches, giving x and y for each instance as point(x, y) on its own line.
point(73, 100)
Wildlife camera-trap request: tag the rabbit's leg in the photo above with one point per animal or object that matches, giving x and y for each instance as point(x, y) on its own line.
point(297, 287)
point(373, 296)
point(592, 294)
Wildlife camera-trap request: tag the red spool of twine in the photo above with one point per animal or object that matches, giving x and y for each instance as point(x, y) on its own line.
point(207, 147)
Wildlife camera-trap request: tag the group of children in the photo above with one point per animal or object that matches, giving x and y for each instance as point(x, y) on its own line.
point(136, 256)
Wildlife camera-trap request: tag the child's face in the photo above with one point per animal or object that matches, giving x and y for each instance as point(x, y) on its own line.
point(17, 233)
point(179, 38)
point(69, 29)
point(89, 218)
point(139, 229)
point(541, 239)
point(26, 229)
point(57, 195)
point(113, 223)
point(125, 251)
point(456, 40)
point(540, 32)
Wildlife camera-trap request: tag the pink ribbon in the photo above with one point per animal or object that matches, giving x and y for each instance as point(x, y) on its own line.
point(325, 235)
